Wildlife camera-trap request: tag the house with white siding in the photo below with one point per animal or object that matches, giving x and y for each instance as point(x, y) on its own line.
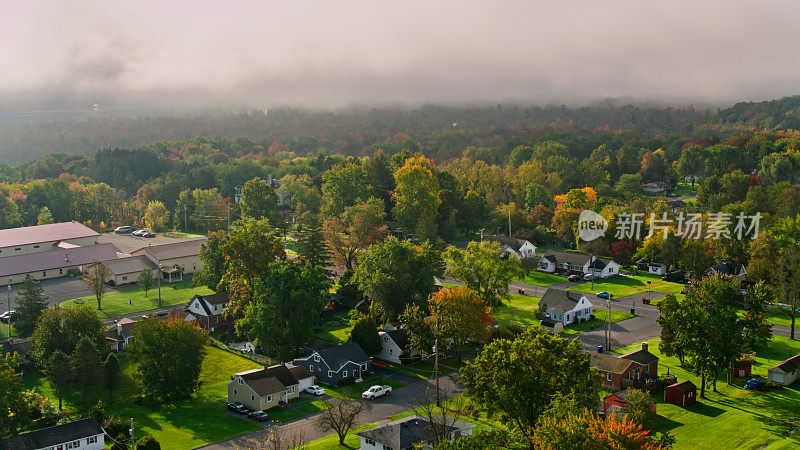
point(567, 307)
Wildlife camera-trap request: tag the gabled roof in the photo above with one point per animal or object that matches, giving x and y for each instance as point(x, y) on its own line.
point(45, 233)
point(400, 337)
point(266, 386)
point(683, 386)
point(269, 380)
point(213, 299)
point(173, 250)
point(126, 327)
point(46, 437)
point(130, 264)
point(513, 243)
point(560, 300)
point(406, 432)
point(573, 258)
point(300, 372)
point(337, 357)
point(640, 356)
point(727, 268)
point(788, 366)
point(608, 363)
point(68, 257)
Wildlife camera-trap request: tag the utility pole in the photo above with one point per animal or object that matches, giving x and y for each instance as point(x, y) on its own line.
point(229, 217)
point(608, 324)
point(133, 441)
point(482, 234)
point(591, 257)
point(436, 360)
point(185, 223)
point(509, 220)
point(9, 307)
point(159, 286)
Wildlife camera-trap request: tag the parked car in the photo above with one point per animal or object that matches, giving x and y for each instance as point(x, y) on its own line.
point(316, 390)
point(260, 416)
point(123, 230)
point(144, 233)
point(376, 391)
point(9, 316)
point(138, 232)
point(754, 384)
point(238, 408)
point(589, 277)
point(604, 295)
point(574, 278)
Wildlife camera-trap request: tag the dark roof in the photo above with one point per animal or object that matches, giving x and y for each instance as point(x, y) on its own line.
point(336, 357)
point(560, 300)
point(67, 257)
point(131, 264)
point(727, 268)
point(683, 386)
point(574, 258)
point(173, 249)
point(59, 434)
point(608, 363)
point(640, 356)
point(405, 433)
point(212, 299)
point(44, 233)
point(789, 365)
point(266, 386)
point(400, 337)
point(300, 372)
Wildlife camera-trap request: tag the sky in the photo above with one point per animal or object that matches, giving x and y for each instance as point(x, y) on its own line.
point(339, 53)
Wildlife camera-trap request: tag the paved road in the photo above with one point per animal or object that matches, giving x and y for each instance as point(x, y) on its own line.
point(402, 399)
point(57, 290)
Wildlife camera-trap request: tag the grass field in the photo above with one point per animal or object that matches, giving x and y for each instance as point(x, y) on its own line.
point(623, 286)
point(312, 406)
point(733, 417)
point(331, 442)
point(541, 279)
point(187, 424)
point(425, 369)
point(4, 330)
point(180, 234)
point(518, 309)
point(336, 328)
point(115, 300)
point(596, 323)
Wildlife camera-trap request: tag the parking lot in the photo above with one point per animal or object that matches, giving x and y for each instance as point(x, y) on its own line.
point(129, 243)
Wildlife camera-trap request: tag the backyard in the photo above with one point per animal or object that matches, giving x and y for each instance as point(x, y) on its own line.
point(623, 286)
point(541, 279)
point(739, 418)
point(187, 424)
point(119, 301)
point(521, 310)
point(335, 327)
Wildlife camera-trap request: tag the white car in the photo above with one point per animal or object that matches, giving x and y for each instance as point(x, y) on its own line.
point(376, 391)
point(316, 390)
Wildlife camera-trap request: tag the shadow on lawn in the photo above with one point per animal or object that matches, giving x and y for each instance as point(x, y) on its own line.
point(664, 424)
point(705, 408)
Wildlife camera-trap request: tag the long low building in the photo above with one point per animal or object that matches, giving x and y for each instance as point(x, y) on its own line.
point(126, 270)
point(44, 238)
point(54, 264)
point(175, 258)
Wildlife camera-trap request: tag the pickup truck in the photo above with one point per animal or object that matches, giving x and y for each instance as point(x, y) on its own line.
point(376, 391)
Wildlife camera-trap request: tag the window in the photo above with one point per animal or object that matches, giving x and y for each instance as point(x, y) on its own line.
point(386, 447)
point(608, 376)
point(124, 277)
point(235, 392)
point(44, 273)
point(269, 398)
point(216, 319)
point(370, 442)
point(291, 389)
point(75, 444)
point(17, 249)
point(344, 374)
point(239, 380)
point(330, 374)
point(252, 398)
point(316, 358)
point(311, 368)
point(91, 440)
point(35, 246)
point(364, 366)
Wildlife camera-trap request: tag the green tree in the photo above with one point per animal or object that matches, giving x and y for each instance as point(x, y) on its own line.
point(210, 209)
point(420, 330)
point(342, 186)
point(96, 281)
point(394, 273)
point(145, 280)
point(85, 367)
point(156, 216)
point(365, 334)
point(518, 379)
point(311, 243)
point(58, 373)
point(45, 216)
point(417, 196)
point(31, 302)
point(259, 200)
point(536, 194)
point(757, 329)
point(691, 163)
point(695, 258)
point(167, 357)
point(586, 430)
point(111, 373)
point(61, 329)
point(639, 408)
point(12, 402)
point(213, 259)
point(484, 269)
point(287, 303)
point(356, 229)
point(147, 442)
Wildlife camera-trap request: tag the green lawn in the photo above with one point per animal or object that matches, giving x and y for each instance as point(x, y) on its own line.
point(180, 234)
point(733, 417)
point(597, 322)
point(518, 309)
point(685, 189)
point(115, 300)
point(331, 442)
point(281, 414)
point(353, 391)
point(4, 330)
point(335, 328)
point(312, 406)
point(623, 286)
point(182, 425)
point(424, 369)
point(541, 279)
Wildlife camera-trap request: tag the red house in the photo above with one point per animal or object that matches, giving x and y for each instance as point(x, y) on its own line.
point(613, 403)
point(742, 368)
point(681, 394)
point(635, 367)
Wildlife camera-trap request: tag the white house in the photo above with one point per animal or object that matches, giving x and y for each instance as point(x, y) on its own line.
point(565, 306)
point(657, 269)
point(120, 335)
point(409, 432)
point(207, 310)
point(83, 434)
point(394, 345)
point(786, 372)
point(574, 262)
point(515, 247)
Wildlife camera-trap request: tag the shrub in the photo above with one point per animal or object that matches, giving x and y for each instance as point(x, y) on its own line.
point(147, 442)
point(114, 426)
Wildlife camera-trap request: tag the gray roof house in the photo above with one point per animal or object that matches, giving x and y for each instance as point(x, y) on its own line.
point(409, 432)
point(336, 363)
point(574, 262)
point(565, 306)
point(83, 434)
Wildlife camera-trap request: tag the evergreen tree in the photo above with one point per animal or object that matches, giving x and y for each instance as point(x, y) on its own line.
point(31, 302)
point(58, 372)
point(86, 367)
point(311, 243)
point(365, 334)
point(111, 371)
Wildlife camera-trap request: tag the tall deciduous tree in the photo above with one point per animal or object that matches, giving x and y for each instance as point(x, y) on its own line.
point(61, 329)
point(365, 334)
point(518, 379)
point(156, 216)
point(287, 303)
point(85, 368)
point(417, 196)
point(459, 317)
point(356, 229)
point(12, 400)
point(167, 356)
point(484, 269)
point(259, 200)
point(757, 330)
point(145, 280)
point(96, 281)
point(342, 186)
point(340, 416)
point(394, 274)
point(31, 302)
point(586, 430)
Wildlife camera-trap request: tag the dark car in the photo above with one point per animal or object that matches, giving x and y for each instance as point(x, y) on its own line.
point(147, 234)
point(238, 408)
point(755, 384)
point(604, 295)
point(260, 416)
point(574, 278)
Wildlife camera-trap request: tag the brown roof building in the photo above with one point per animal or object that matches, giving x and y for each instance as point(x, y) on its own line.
point(55, 263)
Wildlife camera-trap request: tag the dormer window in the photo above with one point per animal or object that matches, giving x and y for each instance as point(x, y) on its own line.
point(239, 380)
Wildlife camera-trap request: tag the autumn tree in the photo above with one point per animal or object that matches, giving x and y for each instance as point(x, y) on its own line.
point(12, 401)
point(459, 317)
point(484, 269)
point(417, 196)
point(585, 430)
point(156, 216)
point(356, 229)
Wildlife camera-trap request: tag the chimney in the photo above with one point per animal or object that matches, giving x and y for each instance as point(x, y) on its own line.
point(644, 345)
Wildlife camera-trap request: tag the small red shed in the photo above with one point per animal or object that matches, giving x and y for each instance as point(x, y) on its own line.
point(681, 394)
point(742, 368)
